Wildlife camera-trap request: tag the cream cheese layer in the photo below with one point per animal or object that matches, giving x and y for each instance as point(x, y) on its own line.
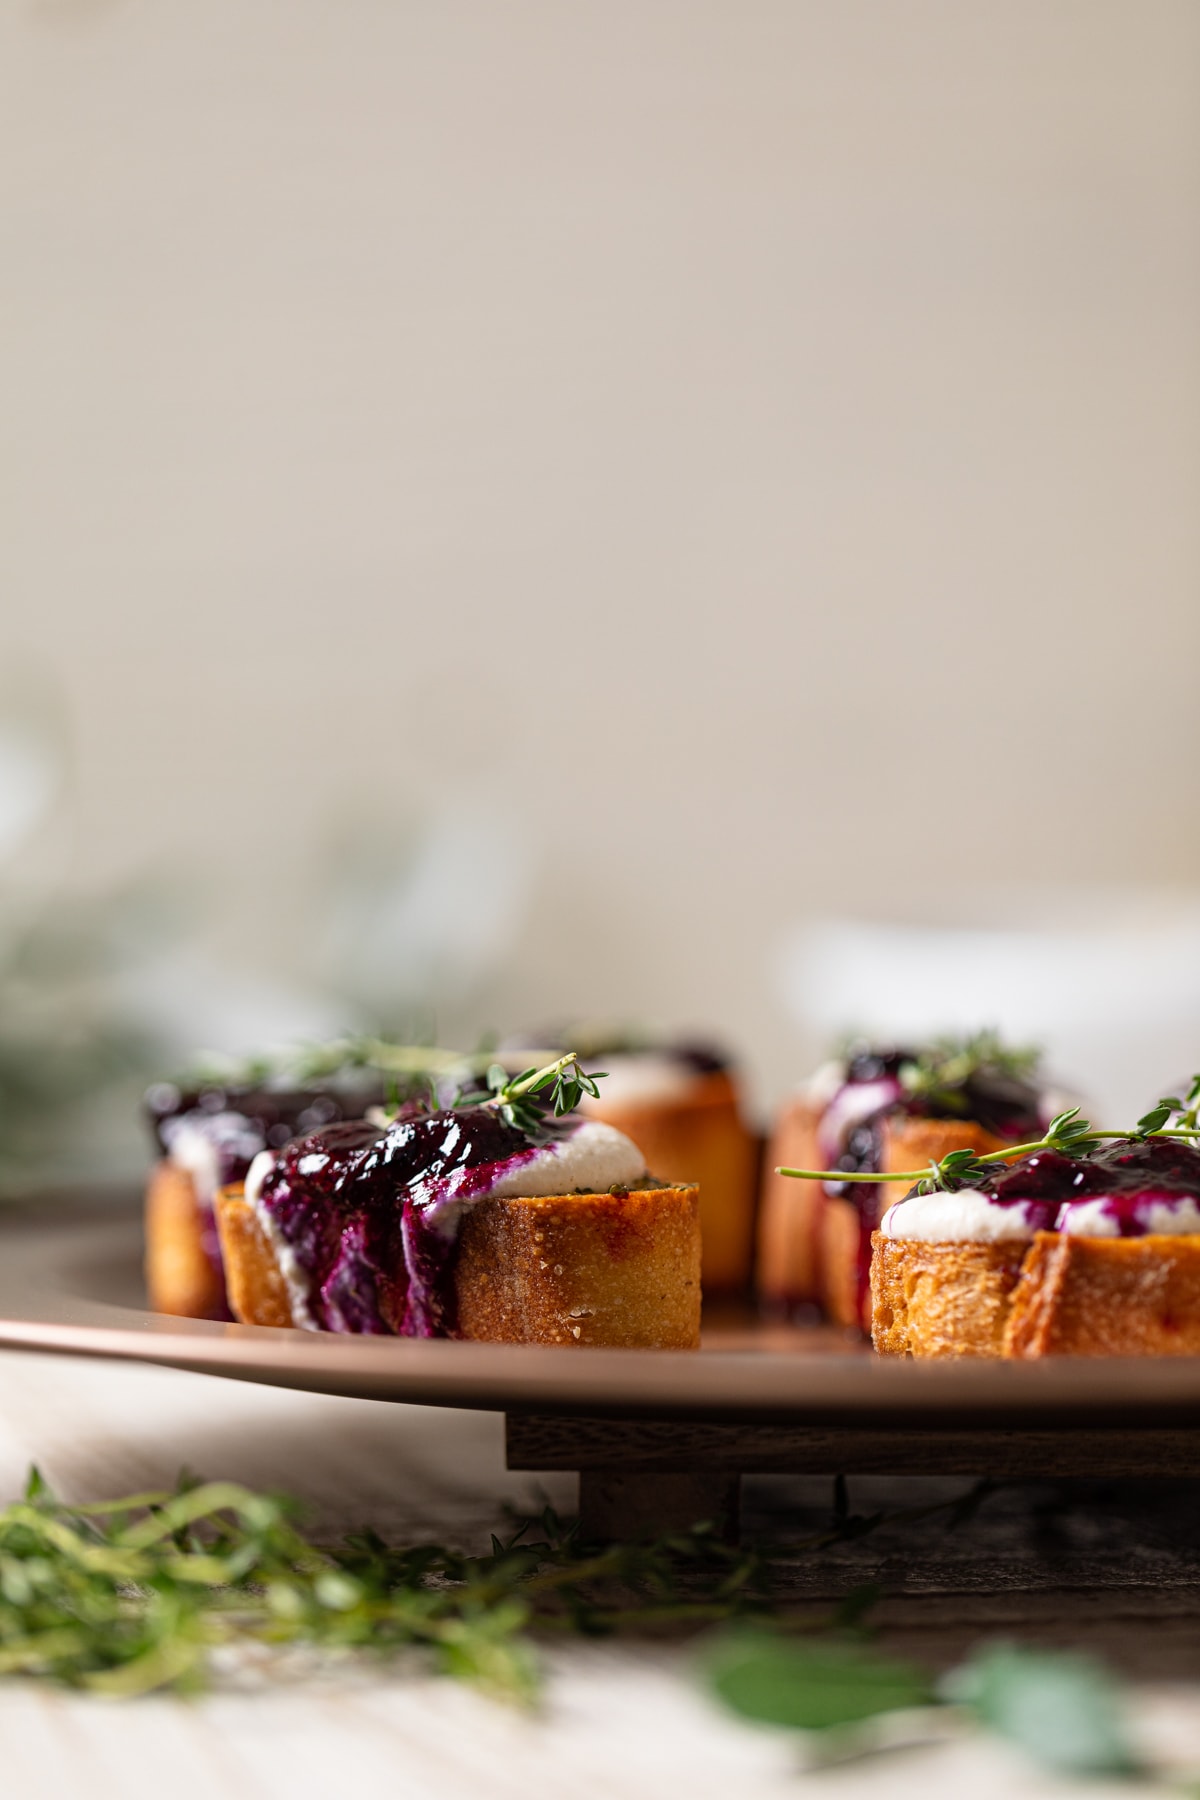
point(966, 1217)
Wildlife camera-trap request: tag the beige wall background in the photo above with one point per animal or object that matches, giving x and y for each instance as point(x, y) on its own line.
point(646, 475)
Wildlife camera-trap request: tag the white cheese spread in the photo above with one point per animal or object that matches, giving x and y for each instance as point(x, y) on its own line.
point(1157, 1216)
point(964, 1217)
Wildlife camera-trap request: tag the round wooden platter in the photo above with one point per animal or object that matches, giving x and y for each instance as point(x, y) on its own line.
point(70, 1281)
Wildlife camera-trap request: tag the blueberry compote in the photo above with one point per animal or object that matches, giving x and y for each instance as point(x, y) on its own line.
point(850, 1134)
point(215, 1131)
point(1126, 1185)
point(240, 1120)
point(367, 1217)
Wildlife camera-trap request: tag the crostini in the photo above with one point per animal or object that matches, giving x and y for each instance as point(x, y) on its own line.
point(465, 1222)
point(682, 1104)
point(208, 1127)
point(1096, 1254)
point(874, 1110)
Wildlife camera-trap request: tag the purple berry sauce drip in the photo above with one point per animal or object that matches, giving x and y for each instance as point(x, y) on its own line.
point(851, 1131)
point(1126, 1178)
point(370, 1214)
point(239, 1120)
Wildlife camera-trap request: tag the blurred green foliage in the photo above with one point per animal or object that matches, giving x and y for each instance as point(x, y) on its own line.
point(67, 1040)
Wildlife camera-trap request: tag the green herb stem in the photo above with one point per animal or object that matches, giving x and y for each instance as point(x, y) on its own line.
point(564, 1081)
point(1079, 1136)
point(535, 1079)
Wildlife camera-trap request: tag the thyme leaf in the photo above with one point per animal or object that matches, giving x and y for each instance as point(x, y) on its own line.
point(564, 1082)
point(315, 1062)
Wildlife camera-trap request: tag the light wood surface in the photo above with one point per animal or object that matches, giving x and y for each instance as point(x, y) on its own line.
point(621, 1721)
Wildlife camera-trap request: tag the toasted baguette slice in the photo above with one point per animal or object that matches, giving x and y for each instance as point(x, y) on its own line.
point(789, 1215)
point(183, 1275)
point(844, 1236)
point(1086, 1296)
point(258, 1293)
point(942, 1299)
point(613, 1269)
point(700, 1139)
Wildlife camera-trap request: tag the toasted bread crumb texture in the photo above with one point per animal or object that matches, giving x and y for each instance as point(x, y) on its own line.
point(615, 1269)
point(1058, 1296)
point(180, 1276)
point(1083, 1296)
point(942, 1299)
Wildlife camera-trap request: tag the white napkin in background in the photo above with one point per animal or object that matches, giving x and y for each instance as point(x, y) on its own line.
point(1108, 985)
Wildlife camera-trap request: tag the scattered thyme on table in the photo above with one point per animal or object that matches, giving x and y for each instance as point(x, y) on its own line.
point(128, 1597)
point(1068, 1133)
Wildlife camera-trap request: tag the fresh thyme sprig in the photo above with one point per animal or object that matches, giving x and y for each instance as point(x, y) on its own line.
point(137, 1594)
point(128, 1596)
point(564, 1081)
point(315, 1062)
point(1187, 1111)
point(1068, 1133)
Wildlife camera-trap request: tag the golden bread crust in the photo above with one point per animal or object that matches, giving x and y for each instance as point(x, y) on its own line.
point(942, 1299)
point(913, 1143)
point(258, 1294)
point(700, 1139)
point(615, 1269)
point(790, 1211)
point(1056, 1296)
point(839, 1253)
point(621, 1270)
point(1086, 1296)
point(180, 1275)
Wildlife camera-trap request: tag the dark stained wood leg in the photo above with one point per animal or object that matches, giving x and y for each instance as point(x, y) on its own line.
point(619, 1505)
point(642, 1477)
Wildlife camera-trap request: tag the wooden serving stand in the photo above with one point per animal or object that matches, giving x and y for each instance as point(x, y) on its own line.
point(643, 1476)
point(648, 1473)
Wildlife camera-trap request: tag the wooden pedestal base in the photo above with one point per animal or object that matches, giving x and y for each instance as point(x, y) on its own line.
point(628, 1506)
point(642, 1476)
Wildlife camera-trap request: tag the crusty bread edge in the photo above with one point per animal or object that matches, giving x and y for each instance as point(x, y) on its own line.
point(1055, 1295)
point(259, 1296)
